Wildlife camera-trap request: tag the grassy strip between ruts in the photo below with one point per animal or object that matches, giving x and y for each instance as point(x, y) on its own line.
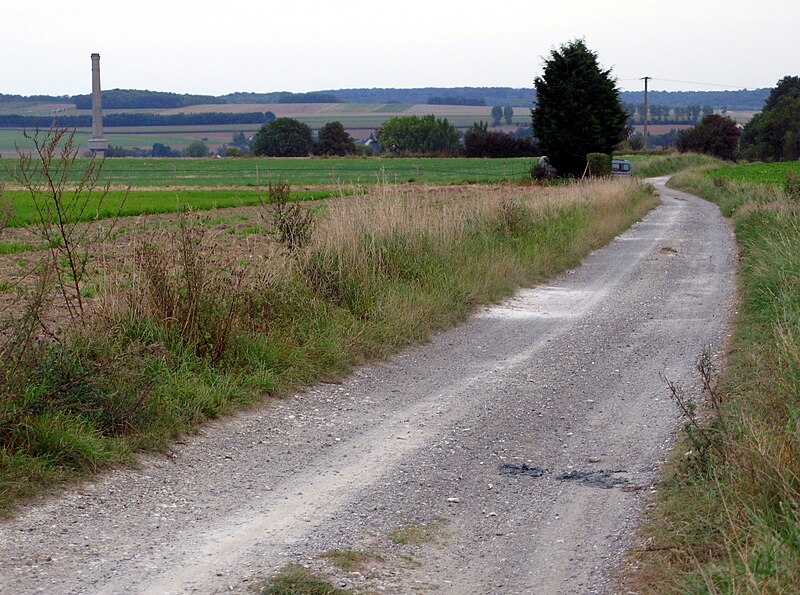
point(728, 514)
point(183, 332)
point(150, 202)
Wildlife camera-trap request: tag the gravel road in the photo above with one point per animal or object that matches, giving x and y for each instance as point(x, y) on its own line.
point(515, 452)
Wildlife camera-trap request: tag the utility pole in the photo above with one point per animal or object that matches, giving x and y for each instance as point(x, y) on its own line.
point(645, 79)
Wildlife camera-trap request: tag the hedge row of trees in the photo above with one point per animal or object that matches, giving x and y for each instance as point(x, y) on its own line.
point(136, 99)
point(404, 135)
point(133, 119)
point(287, 137)
point(664, 114)
point(479, 142)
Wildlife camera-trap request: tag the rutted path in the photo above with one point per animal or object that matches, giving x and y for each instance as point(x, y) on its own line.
point(563, 379)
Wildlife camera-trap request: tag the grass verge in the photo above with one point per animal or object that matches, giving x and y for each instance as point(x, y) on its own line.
point(728, 513)
point(184, 330)
point(654, 165)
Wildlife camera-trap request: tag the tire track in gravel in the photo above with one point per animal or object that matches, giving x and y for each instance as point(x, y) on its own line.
point(564, 378)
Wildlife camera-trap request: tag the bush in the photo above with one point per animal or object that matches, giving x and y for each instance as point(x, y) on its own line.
point(599, 165)
point(791, 186)
point(196, 148)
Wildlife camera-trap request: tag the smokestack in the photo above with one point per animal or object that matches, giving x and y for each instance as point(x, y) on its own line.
point(97, 144)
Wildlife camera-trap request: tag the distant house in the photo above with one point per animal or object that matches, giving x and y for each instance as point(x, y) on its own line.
point(372, 141)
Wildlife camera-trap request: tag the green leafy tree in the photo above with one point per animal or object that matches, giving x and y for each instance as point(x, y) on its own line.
point(578, 108)
point(788, 86)
point(419, 134)
point(238, 139)
point(714, 135)
point(497, 115)
point(196, 148)
point(162, 150)
point(774, 134)
point(283, 137)
point(334, 140)
point(508, 113)
point(636, 141)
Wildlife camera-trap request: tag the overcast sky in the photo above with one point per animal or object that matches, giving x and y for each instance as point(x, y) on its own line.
point(218, 47)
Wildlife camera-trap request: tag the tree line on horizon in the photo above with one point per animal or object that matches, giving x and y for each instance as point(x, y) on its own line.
point(744, 99)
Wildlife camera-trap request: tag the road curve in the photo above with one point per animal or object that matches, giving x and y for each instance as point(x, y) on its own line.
point(533, 432)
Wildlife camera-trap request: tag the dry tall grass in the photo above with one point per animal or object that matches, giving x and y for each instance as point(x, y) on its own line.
point(193, 321)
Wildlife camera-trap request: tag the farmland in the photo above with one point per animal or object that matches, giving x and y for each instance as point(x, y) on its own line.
point(151, 202)
point(301, 171)
point(758, 173)
point(360, 119)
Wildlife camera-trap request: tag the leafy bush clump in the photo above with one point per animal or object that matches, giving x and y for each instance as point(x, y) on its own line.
point(599, 165)
point(791, 186)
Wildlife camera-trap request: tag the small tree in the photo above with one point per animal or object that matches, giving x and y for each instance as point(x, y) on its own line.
point(196, 148)
point(508, 113)
point(283, 137)
point(636, 141)
point(497, 115)
point(578, 108)
point(238, 139)
point(67, 201)
point(714, 135)
point(334, 140)
point(162, 150)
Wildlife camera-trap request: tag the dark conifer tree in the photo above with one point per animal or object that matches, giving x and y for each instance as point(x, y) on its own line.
point(578, 109)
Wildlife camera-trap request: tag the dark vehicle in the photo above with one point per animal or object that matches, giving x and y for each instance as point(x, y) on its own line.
point(621, 167)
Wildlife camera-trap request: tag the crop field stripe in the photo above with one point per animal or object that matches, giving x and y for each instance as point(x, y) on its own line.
point(762, 173)
point(206, 172)
point(152, 202)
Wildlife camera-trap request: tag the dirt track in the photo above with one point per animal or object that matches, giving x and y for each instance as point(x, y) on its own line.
point(524, 442)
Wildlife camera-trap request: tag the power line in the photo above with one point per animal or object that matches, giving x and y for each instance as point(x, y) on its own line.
point(696, 83)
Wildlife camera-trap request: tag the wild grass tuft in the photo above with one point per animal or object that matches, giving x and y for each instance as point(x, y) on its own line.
point(294, 580)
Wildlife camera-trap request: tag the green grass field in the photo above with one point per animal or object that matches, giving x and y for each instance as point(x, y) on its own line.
point(151, 202)
point(759, 173)
point(302, 171)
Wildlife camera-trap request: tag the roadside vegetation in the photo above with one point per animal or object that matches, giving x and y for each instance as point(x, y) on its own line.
point(115, 343)
point(651, 165)
point(728, 515)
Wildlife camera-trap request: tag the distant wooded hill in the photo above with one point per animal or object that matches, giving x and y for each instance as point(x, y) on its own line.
point(750, 100)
